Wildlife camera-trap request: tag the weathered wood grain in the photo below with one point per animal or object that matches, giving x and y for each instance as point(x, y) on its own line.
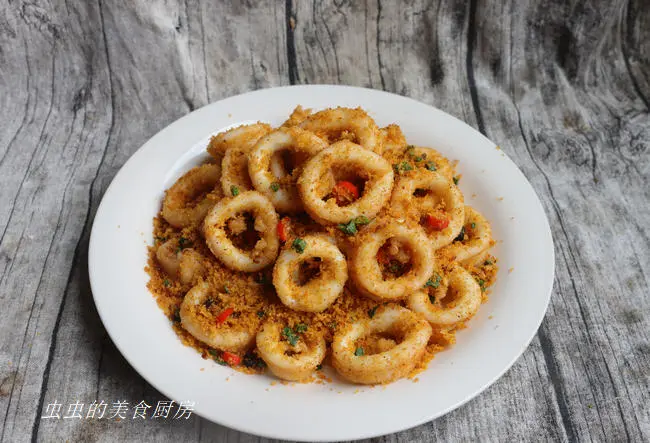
point(563, 87)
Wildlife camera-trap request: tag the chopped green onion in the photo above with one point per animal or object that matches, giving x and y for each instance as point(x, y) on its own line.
point(349, 228)
point(362, 220)
point(358, 352)
point(456, 180)
point(431, 166)
point(290, 336)
point(371, 311)
point(234, 190)
point(434, 282)
point(299, 245)
point(275, 186)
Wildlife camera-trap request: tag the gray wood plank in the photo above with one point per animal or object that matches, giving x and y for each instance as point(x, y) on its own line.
point(563, 88)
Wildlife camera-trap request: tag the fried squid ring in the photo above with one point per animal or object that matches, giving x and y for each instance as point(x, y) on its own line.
point(234, 166)
point(185, 265)
point(393, 138)
point(298, 115)
point(338, 123)
point(477, 238)
point(440, 197)
point(279, 185)
point(459, 301)
point(241, 136)
point(198, 321)
point(293, 363)
point(366, 272)
point(266, 220)
point(409, 332)
point(317, 181)
point(179, 207)
point(321, 291)
point(432, 160)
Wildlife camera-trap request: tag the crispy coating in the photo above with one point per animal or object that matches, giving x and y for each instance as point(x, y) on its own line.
point(230, 296)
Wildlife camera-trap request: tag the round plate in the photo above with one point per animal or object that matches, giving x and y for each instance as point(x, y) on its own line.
point(494, 339)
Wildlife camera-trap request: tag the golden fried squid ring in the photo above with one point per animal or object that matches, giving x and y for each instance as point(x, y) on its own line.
point(453, 303)
point(393, 324)
point(477, 238)
point(432, 160)
point(279, 185)
point(366, 272)
point(345, 124)
point(241, 136)
point(266, 221)
point(202, 324)
point(179, 207)
point(290, 362)
point(318, 178)
point(441, 201)
point(185, 265)
point(321, 291)
point(234, 166)
point(393, 138)
point(298, 115)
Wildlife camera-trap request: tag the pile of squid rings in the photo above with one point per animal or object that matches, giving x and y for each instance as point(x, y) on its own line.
point(394, 222)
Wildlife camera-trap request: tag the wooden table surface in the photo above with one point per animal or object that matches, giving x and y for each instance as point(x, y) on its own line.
point(563, 87)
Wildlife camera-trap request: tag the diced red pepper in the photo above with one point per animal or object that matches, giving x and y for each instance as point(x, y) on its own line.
point(223, 316)
point(230, 358)
point(345, 192)
point(436, 223)
point(283, 229)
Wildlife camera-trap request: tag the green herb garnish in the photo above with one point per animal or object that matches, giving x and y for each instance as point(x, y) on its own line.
point(216, 356)
point(481, 283)
point(431, 166)
point(419, 158)
point(226, 289)
point(300, 327)
point(473, 225)
point(275, 186)
point(260, 313)
point(362, 220)
point(358, 352)
point(176, 316)
point(290, 336)
point(487, 262)
point(434, 282)
point(234, 190)
point(319, 367)
point(349, 228)
point(371, 311)
point(166, 283)
point(456, 180)
point(461, 235)
point(405, 166)
point(299, 245)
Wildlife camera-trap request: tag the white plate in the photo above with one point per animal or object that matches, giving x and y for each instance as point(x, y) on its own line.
point(495, 338)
